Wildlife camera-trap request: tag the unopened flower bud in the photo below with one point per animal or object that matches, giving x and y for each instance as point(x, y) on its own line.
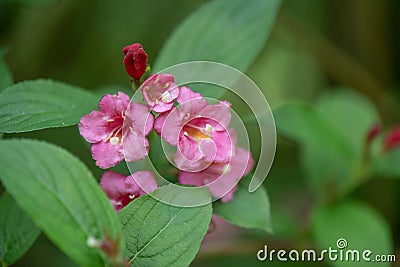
point(135, 60)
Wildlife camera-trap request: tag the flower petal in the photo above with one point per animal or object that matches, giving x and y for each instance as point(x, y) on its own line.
point(229, 196)
point(159, 91)
point(224, 146)
point(186, 94)
point(218, 112)
point(106, 155)
point(121, 189)
point(135, 146)
point(93, 127)
point(114, 105)
point(191, 157)
point(139, 118)
point(191, 178)
point(143, 181)
point(168, 125)
point(162, 107)
point(221, 179)
point(113, 184)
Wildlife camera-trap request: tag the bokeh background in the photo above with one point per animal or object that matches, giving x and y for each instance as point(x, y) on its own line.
point(315, 45)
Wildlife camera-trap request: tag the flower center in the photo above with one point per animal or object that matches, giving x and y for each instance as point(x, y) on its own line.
point(198, 133)
point(115, 136)
point(157, 91)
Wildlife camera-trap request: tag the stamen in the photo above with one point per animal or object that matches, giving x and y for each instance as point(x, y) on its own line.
point(166, 85)
point(187, 116)
point(209, 128)
point(226, 169)
point(166, 97)
point(185, 133)
point(131, 196)
point(114, 140)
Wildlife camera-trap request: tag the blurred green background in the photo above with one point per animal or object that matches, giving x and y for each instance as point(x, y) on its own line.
point(315, 45)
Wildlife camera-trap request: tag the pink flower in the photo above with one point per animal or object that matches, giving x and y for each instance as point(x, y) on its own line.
point(199, 131)
point(119, 129)
point(221, 178)
point(122, 189)
point(135, 60)
point(392, 140)
point(160, 91)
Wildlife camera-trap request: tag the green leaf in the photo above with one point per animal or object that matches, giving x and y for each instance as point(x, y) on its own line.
point(40, 104)
point(5, 75)
point(248, 210)
point(277, 61)
point(33, 2)
point(387, 164)
point(232, 32)
point(361, 226)
point(17, 231)
point(304, 125)
point(158, 234)
point(321, 145)
point(60, 195)
point(351, 114)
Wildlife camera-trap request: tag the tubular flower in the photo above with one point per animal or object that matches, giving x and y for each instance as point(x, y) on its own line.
point(135, 60)
point(117, 131)
point(160, 91)
point(122, 189)
point(221, 178)
point(199, 131)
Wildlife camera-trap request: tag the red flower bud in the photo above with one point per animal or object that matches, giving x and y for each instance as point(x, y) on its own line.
point(373, 132)
point(135, 60)
point(392, 139)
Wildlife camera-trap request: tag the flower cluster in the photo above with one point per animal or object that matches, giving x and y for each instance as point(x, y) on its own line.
point(206, 149)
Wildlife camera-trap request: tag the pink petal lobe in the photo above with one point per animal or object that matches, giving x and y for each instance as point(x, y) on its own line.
point(135, 146)
point(114, 105)
point(106, 155)
point(113, 184)
point(220, 113)
point(168, 125)
point(93, 127)
point(144, 181)
point(139, 118)
point(186, 94)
